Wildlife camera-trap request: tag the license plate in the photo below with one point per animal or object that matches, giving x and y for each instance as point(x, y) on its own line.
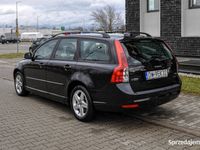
point(156, 74)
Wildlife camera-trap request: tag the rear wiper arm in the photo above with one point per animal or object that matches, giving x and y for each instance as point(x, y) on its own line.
point(157, 57)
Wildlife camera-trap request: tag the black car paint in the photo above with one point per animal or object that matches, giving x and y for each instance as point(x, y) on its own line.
point(58, 77)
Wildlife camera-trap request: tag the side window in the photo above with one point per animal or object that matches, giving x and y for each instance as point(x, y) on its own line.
point(45, 51)
point(66, 49)
point(94, 51)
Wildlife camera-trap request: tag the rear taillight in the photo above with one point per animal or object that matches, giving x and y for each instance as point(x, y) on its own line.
point(121, 72)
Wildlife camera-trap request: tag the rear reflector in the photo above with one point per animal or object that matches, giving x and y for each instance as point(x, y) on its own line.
point(130, 106)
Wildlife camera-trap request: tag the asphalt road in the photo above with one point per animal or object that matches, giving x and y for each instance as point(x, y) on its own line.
point(12, 48)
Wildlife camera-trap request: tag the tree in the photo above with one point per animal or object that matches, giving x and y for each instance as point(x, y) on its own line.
point(107, 18)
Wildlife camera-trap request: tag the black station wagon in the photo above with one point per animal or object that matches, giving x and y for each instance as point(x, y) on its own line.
point(98, 71)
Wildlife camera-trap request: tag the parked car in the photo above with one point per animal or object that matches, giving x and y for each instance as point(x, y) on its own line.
point(40, 41)
point(91, 72)
point(9, 38)
point(2, 38)
point(37, 43)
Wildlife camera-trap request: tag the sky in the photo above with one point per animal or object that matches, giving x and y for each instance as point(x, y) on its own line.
point(68, 13)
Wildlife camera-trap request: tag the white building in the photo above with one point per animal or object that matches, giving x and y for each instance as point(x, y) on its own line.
point(176, 21)
point(30, 36)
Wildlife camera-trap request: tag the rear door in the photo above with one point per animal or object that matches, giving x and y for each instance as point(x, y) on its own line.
point(95, 62)
point(151, 64)
point(61, 67)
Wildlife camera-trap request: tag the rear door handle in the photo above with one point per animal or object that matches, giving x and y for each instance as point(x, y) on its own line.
point(67, 67)
point(41, 64)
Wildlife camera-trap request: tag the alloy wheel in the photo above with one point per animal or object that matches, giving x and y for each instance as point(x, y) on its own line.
point(19, 84)
point(80, 103)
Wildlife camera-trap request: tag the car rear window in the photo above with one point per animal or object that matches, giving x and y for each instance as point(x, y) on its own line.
point(146, 50)
point(92, 50)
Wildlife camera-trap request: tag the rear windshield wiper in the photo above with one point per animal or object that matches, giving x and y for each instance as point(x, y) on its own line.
point(157, 57)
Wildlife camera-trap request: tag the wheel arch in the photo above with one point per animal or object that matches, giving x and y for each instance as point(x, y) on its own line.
point(79, 78)
point(24, 91)
point(72, 85)
point(17, 70)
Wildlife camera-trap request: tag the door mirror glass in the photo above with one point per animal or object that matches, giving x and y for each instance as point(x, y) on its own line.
point(37, 43)
point(28, 55)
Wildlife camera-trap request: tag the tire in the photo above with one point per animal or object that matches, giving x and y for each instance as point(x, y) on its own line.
point(19, 84)
point(81, 104)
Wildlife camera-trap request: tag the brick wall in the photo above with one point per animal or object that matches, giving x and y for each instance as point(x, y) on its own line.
point(170, 26)
point(170, 13)
point(133, 15)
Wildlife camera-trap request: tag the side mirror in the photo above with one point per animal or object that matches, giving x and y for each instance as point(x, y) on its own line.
point(36, 43)
point(28, 55)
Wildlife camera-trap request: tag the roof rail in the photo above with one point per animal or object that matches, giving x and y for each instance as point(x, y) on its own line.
point(65, 33)
point(135, 34)
point(104, 35)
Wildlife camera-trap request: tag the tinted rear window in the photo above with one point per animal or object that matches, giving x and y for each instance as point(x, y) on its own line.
point(147, 50)
point(94, 51)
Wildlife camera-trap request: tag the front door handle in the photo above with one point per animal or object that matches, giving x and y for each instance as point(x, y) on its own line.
point(67, 67)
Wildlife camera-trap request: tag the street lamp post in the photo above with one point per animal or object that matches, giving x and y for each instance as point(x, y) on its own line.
point(17, 25)
point(37, 23)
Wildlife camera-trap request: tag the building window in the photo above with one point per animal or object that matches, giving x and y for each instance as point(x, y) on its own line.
point(194, 4)
point(152, 5)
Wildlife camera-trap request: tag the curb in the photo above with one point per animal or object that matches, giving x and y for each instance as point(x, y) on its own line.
point(168, 125)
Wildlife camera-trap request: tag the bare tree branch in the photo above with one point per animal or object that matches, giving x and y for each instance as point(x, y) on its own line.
point(107, 18)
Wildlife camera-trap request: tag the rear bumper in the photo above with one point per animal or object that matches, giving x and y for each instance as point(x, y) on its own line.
point(114, 98)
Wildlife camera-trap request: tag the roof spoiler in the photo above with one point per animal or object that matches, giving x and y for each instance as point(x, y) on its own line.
point(135, 34)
